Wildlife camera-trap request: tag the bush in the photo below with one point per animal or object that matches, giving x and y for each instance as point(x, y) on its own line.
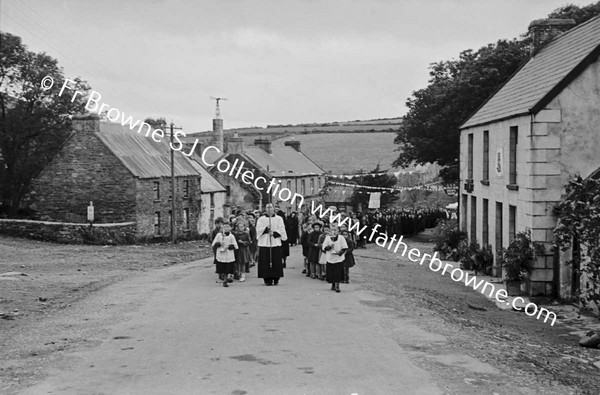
point(517, 260)
point(448, 240)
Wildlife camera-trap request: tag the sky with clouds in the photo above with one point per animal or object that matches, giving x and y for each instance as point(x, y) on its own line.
point(277, 61)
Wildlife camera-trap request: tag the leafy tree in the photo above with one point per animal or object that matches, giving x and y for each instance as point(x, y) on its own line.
point(457, 88)
point(382, 181)
point(579, 224)
point(33, 122)
point(579, 14)
point(430, 131)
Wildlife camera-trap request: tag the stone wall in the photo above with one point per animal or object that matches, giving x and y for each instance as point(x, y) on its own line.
point(84, 170)
point(148, 206)
point(72, 233)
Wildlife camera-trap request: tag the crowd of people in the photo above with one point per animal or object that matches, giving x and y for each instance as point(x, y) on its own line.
point(248, 239)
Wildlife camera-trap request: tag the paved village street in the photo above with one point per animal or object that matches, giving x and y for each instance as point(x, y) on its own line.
point(176, 331)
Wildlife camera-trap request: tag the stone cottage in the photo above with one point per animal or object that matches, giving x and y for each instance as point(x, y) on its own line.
point(127, 178)
point(522, 146)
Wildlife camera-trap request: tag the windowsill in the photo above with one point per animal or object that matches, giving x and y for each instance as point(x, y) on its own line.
point(485, 182)
point(512, 187)
point(156, 200)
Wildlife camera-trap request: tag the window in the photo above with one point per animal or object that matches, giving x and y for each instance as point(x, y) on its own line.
point(170, 218)
point(463, 213)
point(289, 185)
point(485, 225)
point(512, 164)
point(170, 191)
point(156, 188)
point(470, 160)
point(498, 226)
point(186, 189)
point(312, 186)
point(303, 187)
point(512, 222)
point(486, 155)
point(157, 223)
point(186, 218)
point(473, 219)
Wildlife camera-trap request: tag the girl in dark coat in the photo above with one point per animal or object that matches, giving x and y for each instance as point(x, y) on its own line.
point(314, 249)
point(285, 244)
point(349, 257)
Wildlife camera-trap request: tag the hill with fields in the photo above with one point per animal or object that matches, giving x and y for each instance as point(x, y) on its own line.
point(367, 126)
point(339, 147)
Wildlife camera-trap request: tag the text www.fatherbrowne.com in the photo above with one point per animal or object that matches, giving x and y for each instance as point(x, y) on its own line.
point(435, 264)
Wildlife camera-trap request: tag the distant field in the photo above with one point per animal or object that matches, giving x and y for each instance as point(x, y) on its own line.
point(373, 125)
point(347, 152)
point(318, 129)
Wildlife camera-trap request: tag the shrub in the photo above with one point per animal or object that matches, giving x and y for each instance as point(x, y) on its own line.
point(579, 223)
point(518, 258)
point(448, 239)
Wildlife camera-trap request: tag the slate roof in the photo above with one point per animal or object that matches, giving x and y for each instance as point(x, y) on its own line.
point(146, 158)
point(283, 161)
point(543, 76)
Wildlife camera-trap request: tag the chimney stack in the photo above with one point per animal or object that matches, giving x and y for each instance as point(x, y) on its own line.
point(218, 132)
point(295, 144)
point(235, 145)
point(86, 123)
point(542, 31)
point(265, 144)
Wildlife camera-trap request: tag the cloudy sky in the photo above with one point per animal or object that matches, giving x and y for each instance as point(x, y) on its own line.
point(277, 61)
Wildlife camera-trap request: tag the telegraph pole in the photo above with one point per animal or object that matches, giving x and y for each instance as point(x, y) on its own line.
point(173, 222)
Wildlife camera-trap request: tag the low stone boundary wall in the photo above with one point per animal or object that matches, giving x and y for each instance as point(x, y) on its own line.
point(72, 233)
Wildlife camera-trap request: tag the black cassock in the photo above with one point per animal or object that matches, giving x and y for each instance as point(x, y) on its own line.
point(270, 263)
point(267, 270)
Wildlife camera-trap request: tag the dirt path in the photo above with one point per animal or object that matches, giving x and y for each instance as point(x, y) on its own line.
point(396, 327)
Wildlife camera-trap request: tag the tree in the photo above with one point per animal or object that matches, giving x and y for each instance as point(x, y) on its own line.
point(457, 88)
point(381, 181)
point(579, 225)
point(579, 14)
point(430, 129)
point(34, 122)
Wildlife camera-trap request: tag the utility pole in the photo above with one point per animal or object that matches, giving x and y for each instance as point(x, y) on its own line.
point(173, 222)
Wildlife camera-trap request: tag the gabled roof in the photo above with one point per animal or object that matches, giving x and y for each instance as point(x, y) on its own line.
point(146, 158)
point(543, 76)
point(283, 161)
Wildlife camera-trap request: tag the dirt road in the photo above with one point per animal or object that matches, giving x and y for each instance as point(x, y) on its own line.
point(176, 331)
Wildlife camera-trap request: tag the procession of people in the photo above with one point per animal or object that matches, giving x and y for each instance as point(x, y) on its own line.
point(263, 239)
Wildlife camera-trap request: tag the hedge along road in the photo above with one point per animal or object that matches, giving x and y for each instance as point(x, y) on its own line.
point(175, 330)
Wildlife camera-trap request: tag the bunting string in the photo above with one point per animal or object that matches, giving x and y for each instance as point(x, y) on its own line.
point(424, 187)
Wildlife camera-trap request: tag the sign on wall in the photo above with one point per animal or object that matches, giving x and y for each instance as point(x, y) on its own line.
point(499, 163)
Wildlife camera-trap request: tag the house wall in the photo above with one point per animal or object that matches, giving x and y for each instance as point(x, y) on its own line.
point(148, 206)
point(294, 184)
point(579, 137)
point(556, 144)
point(212, 207)
point(84, 170)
